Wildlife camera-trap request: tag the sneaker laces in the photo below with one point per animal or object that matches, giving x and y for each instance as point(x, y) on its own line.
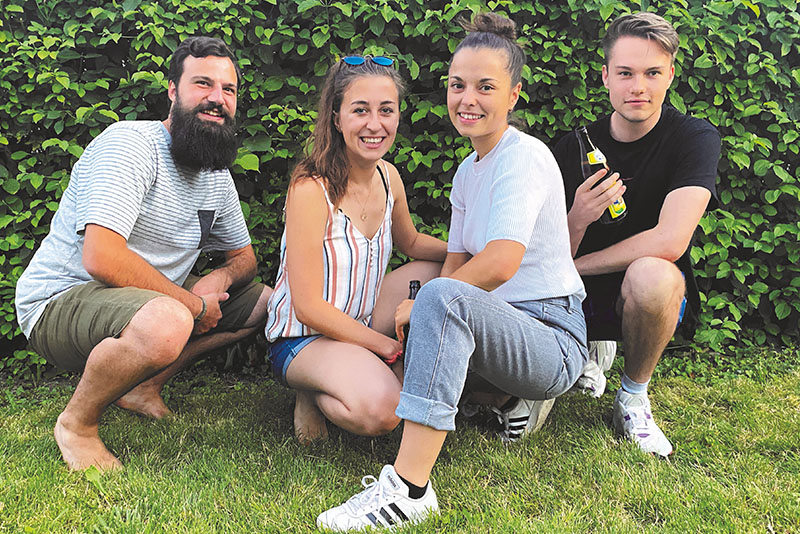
point(373, 492)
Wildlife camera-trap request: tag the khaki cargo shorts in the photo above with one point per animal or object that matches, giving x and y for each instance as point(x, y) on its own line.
point(75, 322)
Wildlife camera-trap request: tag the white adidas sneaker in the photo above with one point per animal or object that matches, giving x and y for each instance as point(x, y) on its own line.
point(523, 418)
point(383, 503)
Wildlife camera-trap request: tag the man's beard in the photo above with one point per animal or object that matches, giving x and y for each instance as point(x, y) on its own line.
point(200, 144)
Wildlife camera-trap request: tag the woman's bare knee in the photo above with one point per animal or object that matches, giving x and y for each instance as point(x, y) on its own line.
point(378, 420)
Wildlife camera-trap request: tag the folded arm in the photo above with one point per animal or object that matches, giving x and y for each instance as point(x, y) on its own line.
point(107, 258)
point(679, 216)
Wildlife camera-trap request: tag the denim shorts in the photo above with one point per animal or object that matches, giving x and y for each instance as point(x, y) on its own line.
point(283, 350)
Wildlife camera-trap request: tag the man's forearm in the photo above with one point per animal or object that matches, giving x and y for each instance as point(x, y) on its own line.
point(617, 257)
point(239, 267)
point(128, 269)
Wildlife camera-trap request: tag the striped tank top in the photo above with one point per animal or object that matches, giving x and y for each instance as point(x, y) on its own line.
point(354, 267)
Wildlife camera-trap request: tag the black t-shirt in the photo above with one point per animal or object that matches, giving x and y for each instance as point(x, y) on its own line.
point(679, 151)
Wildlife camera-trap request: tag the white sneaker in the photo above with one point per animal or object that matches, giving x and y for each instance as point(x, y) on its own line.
point(593, 378)
point(525, 417)
point(384, 503)
point(634, 420)
point(603, 352)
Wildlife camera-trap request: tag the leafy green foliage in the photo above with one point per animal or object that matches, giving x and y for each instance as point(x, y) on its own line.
point(69, 70)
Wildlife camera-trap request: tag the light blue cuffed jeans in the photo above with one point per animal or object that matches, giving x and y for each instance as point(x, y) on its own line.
point(533, 349)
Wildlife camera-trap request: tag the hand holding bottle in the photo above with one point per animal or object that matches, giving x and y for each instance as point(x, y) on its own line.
point(593, 162)
point(593, 198)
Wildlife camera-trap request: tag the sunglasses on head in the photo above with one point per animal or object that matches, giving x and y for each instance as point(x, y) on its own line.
point(359, 60)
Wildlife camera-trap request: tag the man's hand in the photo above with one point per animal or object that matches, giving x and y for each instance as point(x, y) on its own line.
point(402, 316)
point(590, 202)
point(213, 312)
point(214, 282)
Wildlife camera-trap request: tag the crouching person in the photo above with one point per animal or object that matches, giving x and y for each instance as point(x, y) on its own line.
point(108, 293)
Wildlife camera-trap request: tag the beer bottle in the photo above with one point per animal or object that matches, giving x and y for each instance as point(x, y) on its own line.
point(413, 288)
point(592, 160)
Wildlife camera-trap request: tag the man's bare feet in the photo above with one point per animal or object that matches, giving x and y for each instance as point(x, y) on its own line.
point(145, 400)
point(81, 448)
point(309, 423)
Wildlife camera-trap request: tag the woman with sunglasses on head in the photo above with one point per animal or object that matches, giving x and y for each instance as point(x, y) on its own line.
point(331, 314)
point(508, 305)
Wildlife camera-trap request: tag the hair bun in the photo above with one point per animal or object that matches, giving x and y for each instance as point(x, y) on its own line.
point(492, 23)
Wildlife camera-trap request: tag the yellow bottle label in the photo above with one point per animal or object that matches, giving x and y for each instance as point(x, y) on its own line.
point(595, 157)
point(617, 208)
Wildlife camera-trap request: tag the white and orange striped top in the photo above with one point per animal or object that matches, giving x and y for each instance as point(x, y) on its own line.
point(354, 267)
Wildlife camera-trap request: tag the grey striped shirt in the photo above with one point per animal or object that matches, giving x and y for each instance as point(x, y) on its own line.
point(126, 181)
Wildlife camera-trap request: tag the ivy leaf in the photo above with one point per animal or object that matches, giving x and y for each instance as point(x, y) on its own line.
point(781, 173)
point(11, 186)
point(782, 310)
point(320, 38)
point(273, 83)
point(703, 62)
point(345, 30)
point(761, 167)
point(752, 6)
point(760, 288)
point(771, 196)
point(751, 110)
point(130, 5)
point(248, 162)
point(377, 25)
point(413, 70)
point(741, 159)
point(346, 9)
point(606, 11)
point(305, 5)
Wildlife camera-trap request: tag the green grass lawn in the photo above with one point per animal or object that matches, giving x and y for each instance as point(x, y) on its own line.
point(227, 462)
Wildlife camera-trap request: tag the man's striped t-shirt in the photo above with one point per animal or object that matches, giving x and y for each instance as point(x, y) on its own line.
point(127, 181)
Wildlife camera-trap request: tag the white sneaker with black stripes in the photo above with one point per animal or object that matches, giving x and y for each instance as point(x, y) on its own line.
point(384, 503)
point(524, 417)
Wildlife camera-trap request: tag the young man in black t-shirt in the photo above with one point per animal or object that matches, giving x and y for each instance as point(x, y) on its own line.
point(637, 271)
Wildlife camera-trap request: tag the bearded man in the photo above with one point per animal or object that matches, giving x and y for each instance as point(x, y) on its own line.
point(109, 292)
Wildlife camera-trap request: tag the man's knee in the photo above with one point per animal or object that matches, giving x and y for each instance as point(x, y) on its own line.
point(160, 329)
point(245, 309)
point(652, 283)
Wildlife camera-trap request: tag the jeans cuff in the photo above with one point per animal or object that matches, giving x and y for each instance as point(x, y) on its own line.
point(434, 414)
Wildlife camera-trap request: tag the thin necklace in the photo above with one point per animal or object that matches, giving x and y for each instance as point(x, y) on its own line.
point(364, 203)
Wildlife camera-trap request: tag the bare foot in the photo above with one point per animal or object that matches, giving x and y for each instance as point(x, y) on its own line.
point(81, 448)
point(309, 423)
point(145, 400)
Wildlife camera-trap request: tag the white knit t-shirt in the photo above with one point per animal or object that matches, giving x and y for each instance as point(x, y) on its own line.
point(515, 192)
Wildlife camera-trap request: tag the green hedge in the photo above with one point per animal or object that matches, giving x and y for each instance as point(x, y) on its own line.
point(70, 69)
